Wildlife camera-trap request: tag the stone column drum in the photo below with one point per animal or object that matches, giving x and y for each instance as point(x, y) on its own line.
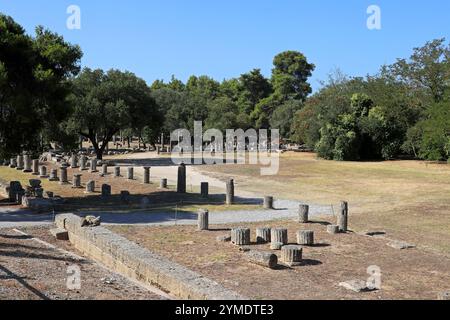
point(63, 176)
point(130, 172)
point(90, 187)
point(43, 172)
point(76, 181)
point(27, 163)
point(104, 169)
point(83, 162)
point(146, 175)
point(13, 163)
point(19, 161)
point(204, 189)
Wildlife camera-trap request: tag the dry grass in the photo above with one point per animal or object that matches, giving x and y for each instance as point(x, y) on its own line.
point(408, 198)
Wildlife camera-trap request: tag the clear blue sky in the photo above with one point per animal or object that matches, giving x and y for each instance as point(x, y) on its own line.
point(224, 38)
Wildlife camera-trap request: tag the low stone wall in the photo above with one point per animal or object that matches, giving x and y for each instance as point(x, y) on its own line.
point(4, 190)
point(128, 258)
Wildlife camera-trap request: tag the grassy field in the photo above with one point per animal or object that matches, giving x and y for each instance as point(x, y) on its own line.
point(408, 199)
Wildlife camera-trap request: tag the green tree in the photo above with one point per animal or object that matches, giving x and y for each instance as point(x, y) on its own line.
point(105, 103)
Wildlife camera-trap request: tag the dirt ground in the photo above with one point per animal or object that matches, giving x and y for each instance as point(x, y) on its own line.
point(30, 270)
point(406, 274)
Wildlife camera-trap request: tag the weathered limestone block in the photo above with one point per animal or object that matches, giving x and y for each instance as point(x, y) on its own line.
point(35, 165)
point(130, 173)
point(76, 182)
point(53, 175)
point(303, 213)
point(230, 192)
point(333, 229)
point(305, 237)
point(342, 220)
point(63, 177)
point(279, 235)
point(240, 236)
point(20, 162)
point(27, 163)
point(146, 179)
point(181, 181)
point(163, 184)
point(43, 172)
point(90, 186)
point(265, 259)
point(291, 255)
point(106, 190)
point(263, 235)
point(60, 234)
point(204, 189)
point(203, 220)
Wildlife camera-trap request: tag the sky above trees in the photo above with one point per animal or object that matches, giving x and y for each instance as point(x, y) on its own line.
point(223, 39)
